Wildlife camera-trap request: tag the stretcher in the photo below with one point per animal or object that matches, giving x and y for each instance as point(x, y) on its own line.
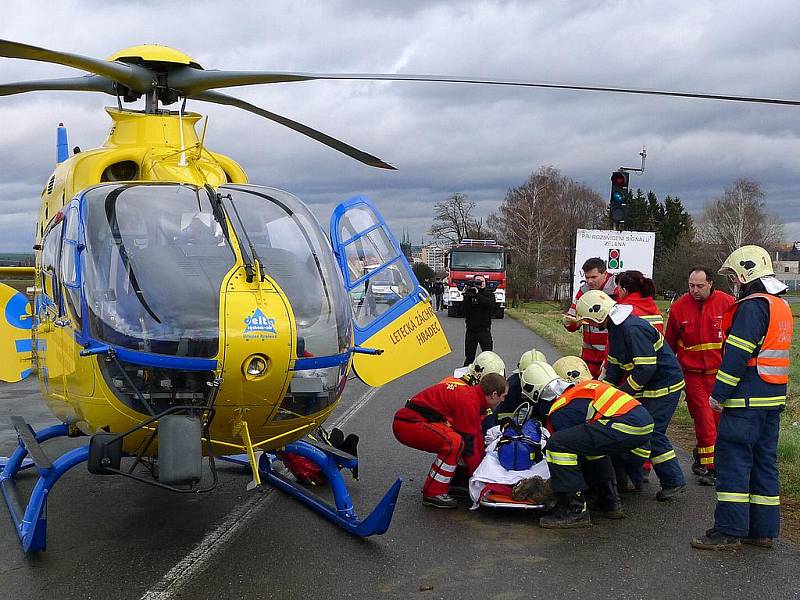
point(499, 500)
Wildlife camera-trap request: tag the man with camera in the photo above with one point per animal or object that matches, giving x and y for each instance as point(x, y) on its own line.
point(479, 305)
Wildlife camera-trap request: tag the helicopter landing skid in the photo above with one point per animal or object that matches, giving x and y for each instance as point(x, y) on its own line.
point(342, 513)
point(31, 522)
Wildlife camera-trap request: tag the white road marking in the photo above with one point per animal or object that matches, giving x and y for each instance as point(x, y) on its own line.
point(196, 560)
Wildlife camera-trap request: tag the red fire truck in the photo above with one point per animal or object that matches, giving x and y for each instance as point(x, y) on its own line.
point(470, 258)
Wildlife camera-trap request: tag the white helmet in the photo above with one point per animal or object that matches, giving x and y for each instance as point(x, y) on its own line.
point(747, 264)
point(572, 368)
point(487, 362)
point(535, 378)
point(594, 306)
point(532, 355)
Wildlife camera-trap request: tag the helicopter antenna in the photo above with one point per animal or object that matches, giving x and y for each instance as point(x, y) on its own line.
point(182, 162)
point(202, 138)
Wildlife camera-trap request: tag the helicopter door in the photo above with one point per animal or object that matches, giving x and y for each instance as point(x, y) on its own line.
point(50, 320)
point(391, 311)
point(78, 373)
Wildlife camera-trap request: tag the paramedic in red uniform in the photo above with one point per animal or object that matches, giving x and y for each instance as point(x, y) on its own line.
point(639, 291)
point(694, 332)
point(446, 419)
point(595, 340)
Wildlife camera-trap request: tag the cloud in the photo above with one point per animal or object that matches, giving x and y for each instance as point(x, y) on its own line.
point(442, 137)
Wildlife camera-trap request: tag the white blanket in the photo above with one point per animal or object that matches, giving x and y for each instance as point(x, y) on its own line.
point(491, 471)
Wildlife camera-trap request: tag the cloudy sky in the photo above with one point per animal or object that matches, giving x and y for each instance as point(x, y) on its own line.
point(442, 137)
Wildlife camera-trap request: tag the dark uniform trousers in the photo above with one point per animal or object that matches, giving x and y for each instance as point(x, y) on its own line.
point(578, 455)
point(748, 487)
point(665, 463)
point(471, 340)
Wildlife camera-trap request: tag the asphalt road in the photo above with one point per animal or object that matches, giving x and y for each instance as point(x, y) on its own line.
point(111, 538)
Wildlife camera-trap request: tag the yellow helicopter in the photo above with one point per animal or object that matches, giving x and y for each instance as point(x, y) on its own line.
point(181, 313)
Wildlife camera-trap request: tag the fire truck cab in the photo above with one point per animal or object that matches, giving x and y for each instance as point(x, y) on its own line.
point(473, 257)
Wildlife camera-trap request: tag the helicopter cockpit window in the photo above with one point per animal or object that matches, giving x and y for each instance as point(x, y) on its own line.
point(367, 256)
point(296, 254)
point(153, 268)
point(51, 247)
point(69, 263)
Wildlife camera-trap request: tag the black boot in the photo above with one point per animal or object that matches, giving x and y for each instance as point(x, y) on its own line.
point(697, 468)
point(709, 479)
point(570, 513)
point(607, 504)
point(716, 540)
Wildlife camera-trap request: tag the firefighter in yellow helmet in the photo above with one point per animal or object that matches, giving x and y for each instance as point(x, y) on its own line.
point(514, 398)
point(485, 362)
point(750, 390)
point(588, 421)
point(572, 368)
point(641, 364)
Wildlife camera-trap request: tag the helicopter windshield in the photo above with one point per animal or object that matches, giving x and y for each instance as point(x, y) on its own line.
point(288, 240)
point(156, 257)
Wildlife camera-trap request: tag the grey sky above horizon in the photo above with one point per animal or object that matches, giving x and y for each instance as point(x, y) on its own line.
point(444, 138)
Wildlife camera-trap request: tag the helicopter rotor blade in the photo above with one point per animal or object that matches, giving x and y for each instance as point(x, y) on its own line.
point(192, 81)
point(85, 83)
point(133, 76)
point(367, 159)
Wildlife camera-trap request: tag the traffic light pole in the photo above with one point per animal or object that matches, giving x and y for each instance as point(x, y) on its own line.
point(617, 225)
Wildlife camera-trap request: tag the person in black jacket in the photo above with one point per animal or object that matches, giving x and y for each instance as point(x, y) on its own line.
point(479, 305)
point(438, 292)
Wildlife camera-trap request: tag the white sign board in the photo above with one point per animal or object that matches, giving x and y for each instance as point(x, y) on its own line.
point(622, 251)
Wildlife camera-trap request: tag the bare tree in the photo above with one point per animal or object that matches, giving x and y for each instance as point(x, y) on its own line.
point(452, 218)
point(738, 218)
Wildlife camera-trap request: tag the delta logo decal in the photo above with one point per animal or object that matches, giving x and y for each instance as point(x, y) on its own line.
point(259, 326)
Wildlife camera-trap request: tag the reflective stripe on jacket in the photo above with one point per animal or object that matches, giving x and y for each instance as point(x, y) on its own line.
point(595, 340)
point(694, 331)
point(639, 362)
point(771, 359)
point(606, 400)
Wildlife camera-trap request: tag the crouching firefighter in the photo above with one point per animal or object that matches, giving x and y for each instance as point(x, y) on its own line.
point(446, 419)
point(750, 390)
point(588, 421)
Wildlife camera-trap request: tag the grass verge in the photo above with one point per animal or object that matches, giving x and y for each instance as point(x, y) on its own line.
point(544, 319)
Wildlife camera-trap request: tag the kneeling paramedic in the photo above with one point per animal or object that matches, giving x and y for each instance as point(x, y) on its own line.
point(446, 419)
point(588, 421)
point(751, 392)
point(641, 364)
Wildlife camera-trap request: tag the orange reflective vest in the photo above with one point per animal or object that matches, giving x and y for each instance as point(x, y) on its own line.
point(606, 400)
point(772, 358)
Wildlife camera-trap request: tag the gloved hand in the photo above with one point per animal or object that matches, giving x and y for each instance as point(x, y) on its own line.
point(569, 320)
point(714, 404)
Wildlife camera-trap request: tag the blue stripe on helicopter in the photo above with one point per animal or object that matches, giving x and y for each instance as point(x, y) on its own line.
point(16, 307)
point(25, 373)
point(321, 362)
point(164, 361)
point(25, 345)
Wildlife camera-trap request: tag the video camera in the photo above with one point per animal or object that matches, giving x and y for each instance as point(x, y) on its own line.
point(470, 288)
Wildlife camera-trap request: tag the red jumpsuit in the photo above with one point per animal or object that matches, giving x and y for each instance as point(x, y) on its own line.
point(445, 419)
point(694, 331)
point(595, 340)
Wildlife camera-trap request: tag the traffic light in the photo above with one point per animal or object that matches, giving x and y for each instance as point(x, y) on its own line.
point(618, 205)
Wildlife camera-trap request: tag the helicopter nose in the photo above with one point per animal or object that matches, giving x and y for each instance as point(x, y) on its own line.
point(260, 337)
